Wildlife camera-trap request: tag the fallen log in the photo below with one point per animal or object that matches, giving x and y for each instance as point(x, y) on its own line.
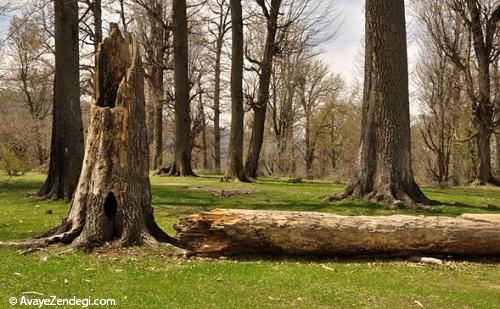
point(231, 232)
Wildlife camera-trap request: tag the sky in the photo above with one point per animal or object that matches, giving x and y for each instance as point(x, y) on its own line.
point(343, 50)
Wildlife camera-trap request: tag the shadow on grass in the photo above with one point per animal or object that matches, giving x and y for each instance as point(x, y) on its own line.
point(182, 201)
point(358, 259)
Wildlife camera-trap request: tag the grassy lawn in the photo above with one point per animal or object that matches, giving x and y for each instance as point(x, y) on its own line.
point(145, 279)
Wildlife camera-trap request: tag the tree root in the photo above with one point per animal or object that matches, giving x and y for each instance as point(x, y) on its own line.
point(72, 236)
point(490, 182)
point(394, 197)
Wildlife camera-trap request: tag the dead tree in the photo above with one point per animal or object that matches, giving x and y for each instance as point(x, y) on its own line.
point(237, 231)
point(113, 198)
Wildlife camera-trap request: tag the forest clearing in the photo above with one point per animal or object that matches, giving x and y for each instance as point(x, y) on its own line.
point(250, 154)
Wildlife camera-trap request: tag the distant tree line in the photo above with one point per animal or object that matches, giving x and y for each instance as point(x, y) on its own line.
point(242, 88)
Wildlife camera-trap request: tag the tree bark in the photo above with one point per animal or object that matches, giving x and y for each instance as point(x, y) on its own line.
point(182, 152)
point(383, 171)
point(235, 167)
point(113, 199)
point(67, 145)
point(497, 140)
point(97, 13)
point(217, 73)
point(233, 232)
point(204, 142)
point(157, 34)
point(260, 108)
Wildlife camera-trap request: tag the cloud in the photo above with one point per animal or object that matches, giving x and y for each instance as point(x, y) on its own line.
point(342, 52)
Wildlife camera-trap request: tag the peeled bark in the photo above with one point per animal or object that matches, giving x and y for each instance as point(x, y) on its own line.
point(235, 167)
point(113, 199)
point(232, 232)
point(67, 144)
point(383, 171)
point(182, 153)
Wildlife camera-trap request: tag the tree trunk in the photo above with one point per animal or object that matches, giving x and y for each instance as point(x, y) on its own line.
point(40, 150)
point(67, 145)
point(182, 152)
point(260, 108)
point(383, 171)
point(235, 167)
point(483, 120)
point(204, 143)
point(309, 152)
point(158, 117)
point(113, 199)
point(497, 140)
point(256, 140)
point(233, 232)
point(158, 91)
point(217, 104)
point(97, 13)
point(484, 175)
point(483, 109)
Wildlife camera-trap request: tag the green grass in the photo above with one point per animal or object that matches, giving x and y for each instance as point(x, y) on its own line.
point(145, 279)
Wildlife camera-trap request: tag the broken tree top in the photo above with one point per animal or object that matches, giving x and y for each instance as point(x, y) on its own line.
point(230, 231)
point(114, 58)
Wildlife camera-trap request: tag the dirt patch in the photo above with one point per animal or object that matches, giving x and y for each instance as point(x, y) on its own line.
point(175, 184)
point(215, 191)
point(226, 192)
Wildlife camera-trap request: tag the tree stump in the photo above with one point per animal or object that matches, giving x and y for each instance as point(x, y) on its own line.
point(113, 198)
point(236, 231)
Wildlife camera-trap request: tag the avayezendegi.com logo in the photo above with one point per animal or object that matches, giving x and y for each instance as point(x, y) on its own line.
point(56, 301)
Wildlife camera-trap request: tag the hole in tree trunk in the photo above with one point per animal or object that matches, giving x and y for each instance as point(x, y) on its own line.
point(110, 205)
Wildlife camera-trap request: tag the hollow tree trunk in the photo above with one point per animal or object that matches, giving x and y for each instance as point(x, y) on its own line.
point(383, 171)
point(232, 232)
point(67, 144)
point(235, 167)
point(113, 199)
point(182, 152)
point(260, 108)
